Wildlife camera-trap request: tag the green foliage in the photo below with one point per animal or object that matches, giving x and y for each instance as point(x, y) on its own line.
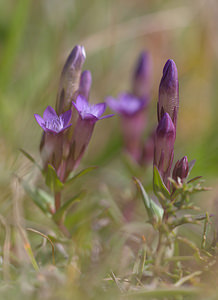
point(42, 199)
point(52, 180)
point(59, 215)
point(154, 211)
point(158, 184)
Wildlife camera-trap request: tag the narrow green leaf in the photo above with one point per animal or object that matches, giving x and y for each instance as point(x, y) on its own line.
point(28, 156)
point(194, 179)
point(81, 173)
point(63, 209)
point(159, 185)
point(191, 165)
point(154, 211)
point(39, 197)
point(52, 180)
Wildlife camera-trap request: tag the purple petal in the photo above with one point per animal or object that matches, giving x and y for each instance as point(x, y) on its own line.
point(81, 103)
point(49, 113)
point(88, 116)
point(65, 117)
point(40, 121)
point(98, 109)
point(113, 104)
point(66, 127)
point(107, 116)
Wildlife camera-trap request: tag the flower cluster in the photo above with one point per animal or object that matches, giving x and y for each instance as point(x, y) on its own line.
point(66, 134)
point(165, 135)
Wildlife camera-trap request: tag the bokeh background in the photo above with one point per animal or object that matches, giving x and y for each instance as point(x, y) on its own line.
point(35, 39)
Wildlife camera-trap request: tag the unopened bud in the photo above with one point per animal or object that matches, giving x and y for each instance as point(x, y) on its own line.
point(70, 79)
point(181, 169)
point(85, 84)
point(169, 92)
point(164, 146)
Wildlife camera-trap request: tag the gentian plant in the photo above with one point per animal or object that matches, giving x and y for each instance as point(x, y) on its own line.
point(67, 132)
point(167, 211)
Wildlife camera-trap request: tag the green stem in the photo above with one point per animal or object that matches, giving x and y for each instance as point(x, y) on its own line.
point(57, 197)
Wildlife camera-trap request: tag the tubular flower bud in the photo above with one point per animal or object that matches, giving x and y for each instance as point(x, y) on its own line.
point(169, 92)
point(85, 84)
point(142, 76)
point(88, 116)
point(70, 79)
point(164, 147)
point(181, 169)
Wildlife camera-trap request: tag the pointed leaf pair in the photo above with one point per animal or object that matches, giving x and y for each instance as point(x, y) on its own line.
point(158, 184)
point(154, 211)
point(52, 180)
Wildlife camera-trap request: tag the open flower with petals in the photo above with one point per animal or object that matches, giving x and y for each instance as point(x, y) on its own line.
point(52, 141)
point(88, 115)
point(133, 120)
point(126, 104)
point(53, 123)
point(88, 111)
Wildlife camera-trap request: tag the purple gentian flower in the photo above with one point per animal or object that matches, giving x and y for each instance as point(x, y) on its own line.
point(88, 116)
point(169, 92)
point(53, 123)
point(126, 104)
point(164, 147)
point(88, 111)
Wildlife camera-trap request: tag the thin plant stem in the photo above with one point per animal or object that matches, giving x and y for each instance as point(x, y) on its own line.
point(57, 197)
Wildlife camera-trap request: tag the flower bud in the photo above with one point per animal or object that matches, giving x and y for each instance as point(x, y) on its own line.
point(142, 76)
point(181, 169)
point(164, 146)
point(70, 79)
point(169, 92)
point(85, 84)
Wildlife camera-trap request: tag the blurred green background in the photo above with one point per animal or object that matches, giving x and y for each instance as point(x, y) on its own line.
point(36, 38)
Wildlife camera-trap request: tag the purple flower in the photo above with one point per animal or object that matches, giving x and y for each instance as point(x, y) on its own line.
point(164, 147)
point(70, 79)
point(88, 111)
point(181, 169)
point(53, 123)
point(126, 104)
point(142, 76)
point(85, 84)
point(169, 92)
point(88, 116)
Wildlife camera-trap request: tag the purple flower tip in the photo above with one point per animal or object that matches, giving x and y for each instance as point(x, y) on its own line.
point(76, 57)
point(169, 92)
point(143, 65)
point(126, 104)
point(170, 71)
point(166, 127)
point(53, 123)
point(181, 169)
point(85, 84)
point(88, 111)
